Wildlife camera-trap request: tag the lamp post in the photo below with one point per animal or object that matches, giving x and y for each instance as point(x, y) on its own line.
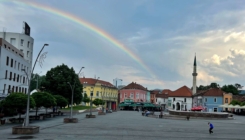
point(91, 95)
point(29, 90)
point(72, 90)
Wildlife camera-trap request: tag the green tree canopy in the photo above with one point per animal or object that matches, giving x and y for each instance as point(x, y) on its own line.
point(98, 102)
point(230, 89)
point(86, 98)
point(61, 101)
point(235, 102)
point(43, 99)
point(56, 82)
point(36, 81)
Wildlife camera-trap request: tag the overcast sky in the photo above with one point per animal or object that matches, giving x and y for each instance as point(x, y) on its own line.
point(164, 35)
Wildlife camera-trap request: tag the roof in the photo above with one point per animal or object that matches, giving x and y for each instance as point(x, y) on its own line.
point(240, 98)
point(164, 93)
point(92, 81)
point(181, 92)
point(133, 85)
point(200, 92)
point(214, 92)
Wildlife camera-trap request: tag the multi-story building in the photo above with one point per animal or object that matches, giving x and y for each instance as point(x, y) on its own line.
point(162, 98)
point(12, 63)
point(212, 99)
point(102, 90)
point(133, 91)
point(227, 98)
point(22, 42)
point(153, 94)
point(180, 99)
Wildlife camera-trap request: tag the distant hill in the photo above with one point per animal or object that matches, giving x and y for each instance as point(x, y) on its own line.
point(241, 91)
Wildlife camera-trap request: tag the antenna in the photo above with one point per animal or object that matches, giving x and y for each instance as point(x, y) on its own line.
point(4, 32)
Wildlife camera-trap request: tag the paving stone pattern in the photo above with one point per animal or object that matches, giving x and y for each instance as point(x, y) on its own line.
point(130, 125)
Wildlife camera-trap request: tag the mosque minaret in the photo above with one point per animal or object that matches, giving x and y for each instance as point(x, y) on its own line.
point(194, 74)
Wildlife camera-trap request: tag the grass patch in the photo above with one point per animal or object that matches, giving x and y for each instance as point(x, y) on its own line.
point(79, 107)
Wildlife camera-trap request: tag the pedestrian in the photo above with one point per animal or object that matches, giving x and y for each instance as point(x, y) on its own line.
point(211, 127)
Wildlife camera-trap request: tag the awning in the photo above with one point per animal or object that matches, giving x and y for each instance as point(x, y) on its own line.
point(121, 105)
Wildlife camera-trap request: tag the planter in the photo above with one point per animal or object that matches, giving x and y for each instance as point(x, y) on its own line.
point(160, 116)
point(1, 115)
point(90, 116)
point(25, 130)
point(70, 120)
point(3, 122)
point(101, 113)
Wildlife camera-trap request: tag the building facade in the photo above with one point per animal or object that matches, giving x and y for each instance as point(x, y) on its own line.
point(227, 98)
point(23, 48)
point(148, 96)
point(102, 90)
point(162, 98)
point(180, 99)
point(212, 99)
point(12, 62)
point(153, 94)
point(133, 91)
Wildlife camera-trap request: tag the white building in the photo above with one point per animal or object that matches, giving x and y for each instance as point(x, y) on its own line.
point(12, 61)
point(162, 98)
point(180, 99)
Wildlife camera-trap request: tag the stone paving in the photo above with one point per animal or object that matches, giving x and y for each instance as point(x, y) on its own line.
point(130, 125)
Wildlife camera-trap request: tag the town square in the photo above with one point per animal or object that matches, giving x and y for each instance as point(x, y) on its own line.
point(143, 69)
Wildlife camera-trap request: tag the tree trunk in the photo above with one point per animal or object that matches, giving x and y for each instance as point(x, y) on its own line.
point(46, 110)
point(36, 111)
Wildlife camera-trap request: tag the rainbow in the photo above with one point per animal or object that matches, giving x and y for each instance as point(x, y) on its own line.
point(89, 26)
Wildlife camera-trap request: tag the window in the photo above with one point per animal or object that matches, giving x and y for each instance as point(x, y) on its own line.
point(21, 50)
point(174, 99)
point(28, 44)
point(23, 80)
point(25, 90)
point(19, 89)
point(14, 77)
point(5, 46)
point(6, 74)
point(7, 61)
point(131, 95)
point(226, 100)
point(215, 100)
point(12, 61)
point(125, 95)
point(12, 41)
point(10, 77)
point(9, 89)
point(4, 88)
point(206, 100)
point(15, 64)
point(16, 89)
point(18, 66)
point(97, 93)
point(215, 109)
point(185, 100)
point(18, 78)
point(120, 95)
point(137, 95)
point(27, 54)
point(21, 42)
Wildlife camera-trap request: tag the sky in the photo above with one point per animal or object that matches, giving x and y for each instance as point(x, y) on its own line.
point(151, 42)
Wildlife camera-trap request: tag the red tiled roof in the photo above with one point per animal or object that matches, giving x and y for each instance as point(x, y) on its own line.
point(164, 93)
point(92, 81)
point(181, 92)
point(213, 92)
point(240, 98)
point(133, 85)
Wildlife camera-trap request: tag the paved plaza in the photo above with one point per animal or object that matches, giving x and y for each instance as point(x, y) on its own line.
point(130, 125)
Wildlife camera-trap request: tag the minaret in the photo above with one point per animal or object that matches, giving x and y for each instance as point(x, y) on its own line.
point(194, 74)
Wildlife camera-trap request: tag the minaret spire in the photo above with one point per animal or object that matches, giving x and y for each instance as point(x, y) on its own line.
point(194, 74)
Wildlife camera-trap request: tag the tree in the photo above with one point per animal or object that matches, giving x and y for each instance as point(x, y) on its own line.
point(43, 99)
point(98, 102)
point(56, 83)
point(18, 101)
point(230, 89)
point(235, 102)
point(238, 86)
point(86, 98)
point(61, 101)
point(214, 85)
point(37, 84)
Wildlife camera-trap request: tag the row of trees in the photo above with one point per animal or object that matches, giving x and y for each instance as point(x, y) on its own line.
point(16, 102)
point(234, 89)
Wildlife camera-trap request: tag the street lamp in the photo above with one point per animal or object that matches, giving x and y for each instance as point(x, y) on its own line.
point(72, 90)
point(91, 95)
point(29, 90)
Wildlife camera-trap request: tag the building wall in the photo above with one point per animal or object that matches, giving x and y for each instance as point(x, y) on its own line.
point(135, 94)
point(173, 100)
point(227, 98)
point(161, 101)
point(108, 94)
point(209, 103)
point(18, 81)
point(153, 98)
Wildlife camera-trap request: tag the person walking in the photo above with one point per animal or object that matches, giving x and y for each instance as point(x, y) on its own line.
point(211, 127)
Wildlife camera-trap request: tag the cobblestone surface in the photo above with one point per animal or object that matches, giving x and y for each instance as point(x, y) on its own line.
point(130, 125)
